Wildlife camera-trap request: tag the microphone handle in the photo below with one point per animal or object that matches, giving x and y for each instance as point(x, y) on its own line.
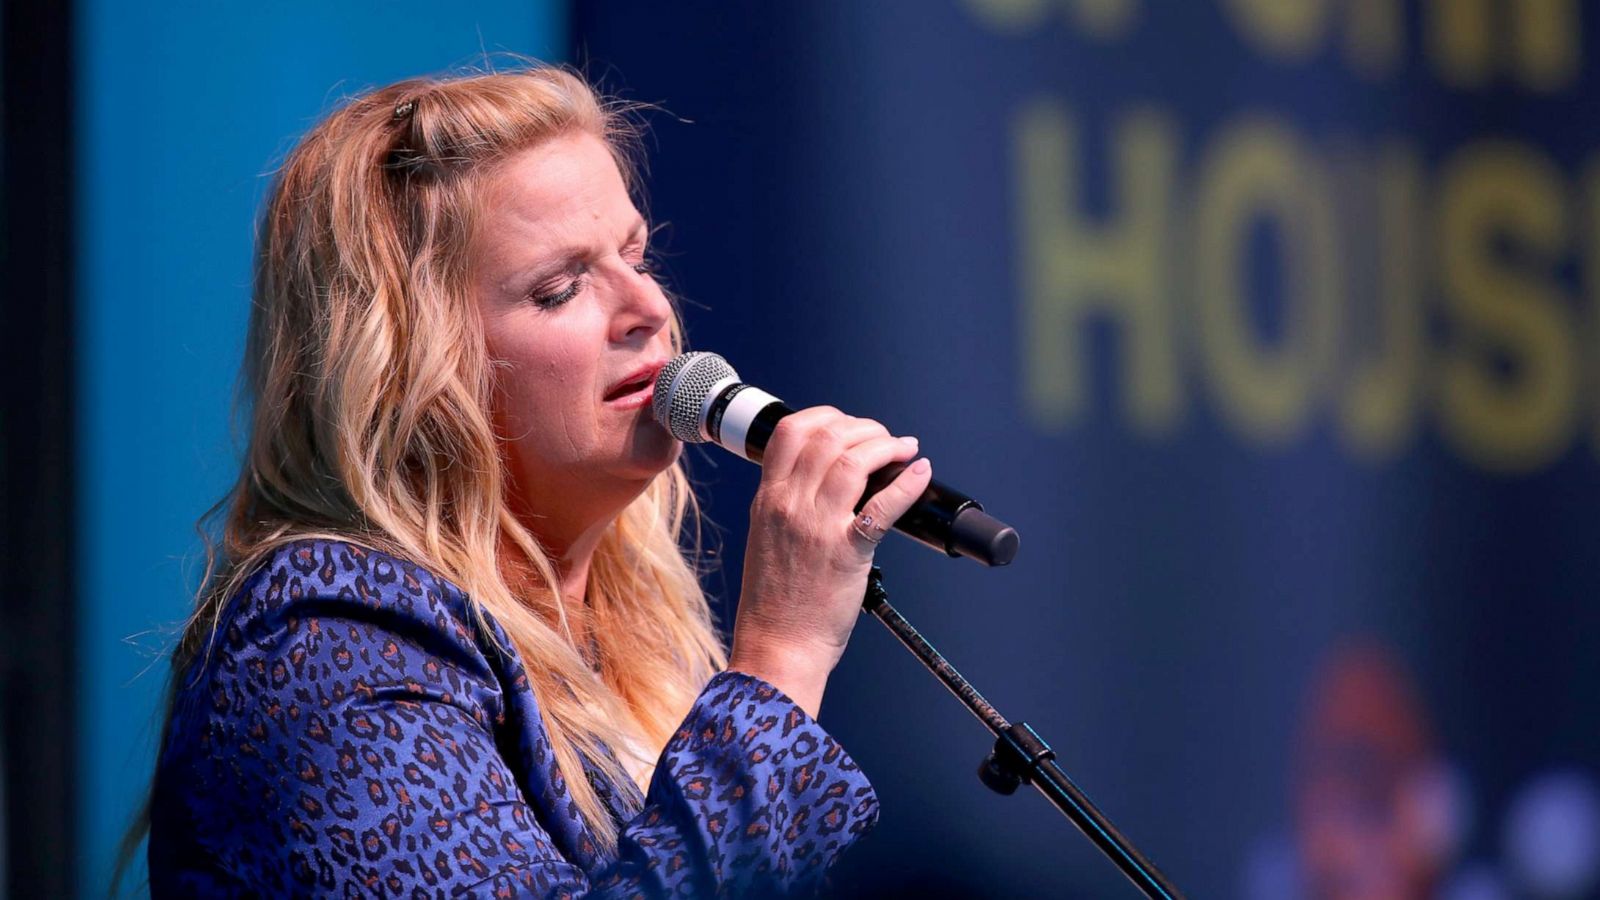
point(943, 518)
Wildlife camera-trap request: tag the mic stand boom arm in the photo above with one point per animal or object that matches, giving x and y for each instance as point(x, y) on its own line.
point(1020, 755)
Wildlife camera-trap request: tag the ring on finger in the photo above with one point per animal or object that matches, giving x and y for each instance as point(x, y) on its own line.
point(867, 526)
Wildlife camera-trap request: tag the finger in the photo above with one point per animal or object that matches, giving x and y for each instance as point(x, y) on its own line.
point(846, 480)
point(789, 438)
point(815, 447)
point(824, 449)
point(888, 505)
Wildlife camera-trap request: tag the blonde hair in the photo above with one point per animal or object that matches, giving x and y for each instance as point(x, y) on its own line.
point(362, 430)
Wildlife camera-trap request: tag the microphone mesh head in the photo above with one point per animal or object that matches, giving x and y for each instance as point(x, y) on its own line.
point(682, 388)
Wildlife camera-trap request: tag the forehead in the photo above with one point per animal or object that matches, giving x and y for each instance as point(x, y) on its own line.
point(553, 187)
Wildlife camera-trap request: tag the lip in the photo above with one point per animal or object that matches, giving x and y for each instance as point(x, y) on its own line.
point(647, 373)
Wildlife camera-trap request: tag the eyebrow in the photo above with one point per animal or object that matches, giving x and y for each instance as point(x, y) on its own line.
point(564, 258)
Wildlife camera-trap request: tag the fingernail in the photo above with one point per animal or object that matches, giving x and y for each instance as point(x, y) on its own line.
point(908, 439)
point(920, 465)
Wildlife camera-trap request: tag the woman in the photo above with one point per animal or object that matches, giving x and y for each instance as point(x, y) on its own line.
point(451, 642)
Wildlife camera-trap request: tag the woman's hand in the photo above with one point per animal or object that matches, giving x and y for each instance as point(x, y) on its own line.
point(807, 559)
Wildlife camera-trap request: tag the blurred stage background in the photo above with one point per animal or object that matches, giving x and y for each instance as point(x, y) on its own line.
point(1271, 324)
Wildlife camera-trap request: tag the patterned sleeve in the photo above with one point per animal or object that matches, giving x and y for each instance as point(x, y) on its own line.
point(342, 746)
point(754, 787)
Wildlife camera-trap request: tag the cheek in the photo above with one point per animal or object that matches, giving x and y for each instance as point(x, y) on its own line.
point(542, 394)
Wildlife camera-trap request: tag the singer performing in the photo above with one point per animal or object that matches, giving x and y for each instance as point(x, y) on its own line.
point(449, 641)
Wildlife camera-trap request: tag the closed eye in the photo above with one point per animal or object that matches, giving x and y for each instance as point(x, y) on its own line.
point(553, 299)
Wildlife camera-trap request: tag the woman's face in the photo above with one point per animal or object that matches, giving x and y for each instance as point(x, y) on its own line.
point(576, 328)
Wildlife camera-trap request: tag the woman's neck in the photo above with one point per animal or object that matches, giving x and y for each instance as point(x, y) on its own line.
point(571, 554)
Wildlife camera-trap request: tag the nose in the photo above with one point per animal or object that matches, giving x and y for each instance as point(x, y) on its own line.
point(642, 308)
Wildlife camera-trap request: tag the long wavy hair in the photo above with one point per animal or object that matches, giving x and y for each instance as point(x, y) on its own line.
point(369, 397)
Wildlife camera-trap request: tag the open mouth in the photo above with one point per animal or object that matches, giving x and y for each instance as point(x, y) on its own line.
point(643, 383)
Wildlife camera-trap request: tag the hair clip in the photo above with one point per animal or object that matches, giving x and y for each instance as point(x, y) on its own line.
point(404, 108)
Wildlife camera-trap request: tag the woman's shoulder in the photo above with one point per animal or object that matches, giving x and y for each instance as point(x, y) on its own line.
point(315, 572)
point(315, 582)
point(326, 615)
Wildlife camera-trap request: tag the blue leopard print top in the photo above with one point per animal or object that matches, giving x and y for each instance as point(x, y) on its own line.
point(351, 733)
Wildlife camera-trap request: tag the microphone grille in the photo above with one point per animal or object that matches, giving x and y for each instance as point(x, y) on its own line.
point(682, 389)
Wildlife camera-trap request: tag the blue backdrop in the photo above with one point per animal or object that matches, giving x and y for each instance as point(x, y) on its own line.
point(1270, 324)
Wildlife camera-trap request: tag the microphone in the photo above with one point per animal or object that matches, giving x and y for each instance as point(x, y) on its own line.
point(699, 398)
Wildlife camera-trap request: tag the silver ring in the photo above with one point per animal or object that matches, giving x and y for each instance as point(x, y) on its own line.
point(866, 526)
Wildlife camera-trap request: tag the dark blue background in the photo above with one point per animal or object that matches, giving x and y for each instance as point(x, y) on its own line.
point(841, 228)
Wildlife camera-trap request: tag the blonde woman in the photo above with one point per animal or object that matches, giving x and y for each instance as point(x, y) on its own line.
point(451, 642)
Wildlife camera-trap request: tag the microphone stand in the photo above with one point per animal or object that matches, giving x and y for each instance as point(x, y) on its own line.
point(1020, 755)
